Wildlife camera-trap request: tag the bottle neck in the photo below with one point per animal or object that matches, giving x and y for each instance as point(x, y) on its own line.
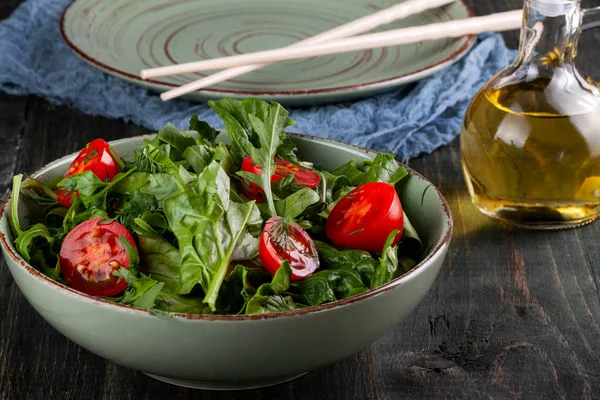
point(550, 32)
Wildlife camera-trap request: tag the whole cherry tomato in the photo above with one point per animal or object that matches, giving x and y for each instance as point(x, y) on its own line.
point(283, 168)
point(365, 217)
point(98, 157)
point(90, 254)
point(281, 241)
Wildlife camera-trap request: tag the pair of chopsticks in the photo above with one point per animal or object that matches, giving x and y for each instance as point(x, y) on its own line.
point(339, 40)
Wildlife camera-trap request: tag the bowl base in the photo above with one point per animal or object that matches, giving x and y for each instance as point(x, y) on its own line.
point(225, 385)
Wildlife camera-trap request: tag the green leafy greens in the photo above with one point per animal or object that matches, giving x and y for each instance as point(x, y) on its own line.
point(197, 236)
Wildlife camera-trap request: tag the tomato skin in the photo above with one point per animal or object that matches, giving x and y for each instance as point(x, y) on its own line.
point(303, 257)
point(283, 168)
point(97, 157)
point(87, 253)
point(365, 217)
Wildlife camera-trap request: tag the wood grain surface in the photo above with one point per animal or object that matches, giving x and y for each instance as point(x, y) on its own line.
point(513, 314)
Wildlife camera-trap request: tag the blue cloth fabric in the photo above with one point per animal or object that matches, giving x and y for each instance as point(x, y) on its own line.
point(409, 121)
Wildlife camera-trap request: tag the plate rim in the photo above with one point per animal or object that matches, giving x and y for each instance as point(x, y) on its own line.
point(291, 94)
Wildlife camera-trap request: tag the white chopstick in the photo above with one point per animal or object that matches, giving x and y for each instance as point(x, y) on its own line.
point(365, 24)
point(456, 28)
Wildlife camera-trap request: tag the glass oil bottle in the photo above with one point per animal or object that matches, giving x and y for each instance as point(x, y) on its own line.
point(530, 144)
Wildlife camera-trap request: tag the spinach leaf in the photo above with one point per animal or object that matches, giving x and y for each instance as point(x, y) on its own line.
point(198, 156)
point(410, 239)
point(160, 259)
point(160, 185)
point(269, 296)
point(205, 131)
point(317, 288)
point(207, 226)
point(295, 204)
point(357, 260)
point(172, 302)
point(388, 262)
point(174, 141)
point(331, 284)
point(223, 157)
point(383, 168)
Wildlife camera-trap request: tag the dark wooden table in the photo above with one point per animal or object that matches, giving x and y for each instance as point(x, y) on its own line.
point(513, 314)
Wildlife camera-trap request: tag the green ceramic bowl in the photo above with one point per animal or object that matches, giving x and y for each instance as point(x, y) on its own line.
point(235, 352)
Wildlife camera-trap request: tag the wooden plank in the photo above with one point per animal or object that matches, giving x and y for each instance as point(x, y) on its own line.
point(514, 313)
point(11, 136)
point(7, 7)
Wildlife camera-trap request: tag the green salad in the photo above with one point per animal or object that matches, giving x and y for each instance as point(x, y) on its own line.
point(192, 225)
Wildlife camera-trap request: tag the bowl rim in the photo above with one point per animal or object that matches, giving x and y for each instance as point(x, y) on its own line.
point(8, 248)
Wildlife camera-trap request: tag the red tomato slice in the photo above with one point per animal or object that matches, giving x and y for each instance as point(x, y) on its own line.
point(365, 217)
point(283, 168)
point(90, 254)
point(282, 241)
point(96, 156)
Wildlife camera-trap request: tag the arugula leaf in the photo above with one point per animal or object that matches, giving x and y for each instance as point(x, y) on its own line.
point(295, 204)
point(132, 253)
point(269, 296)
point(138, 204)
point(141, 292)
point(388, 262)
point(77, 214)
point(268, 133)
point(14, 205)
point(153, 160)
point(235, 114)
point(207, 226)
point(205, 131)
point(383, 168)
point(91, 190)
point(330, 185)
point(24, 241)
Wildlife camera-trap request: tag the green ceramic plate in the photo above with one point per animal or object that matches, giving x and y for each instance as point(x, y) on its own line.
point(239, 351)
point(122, 37)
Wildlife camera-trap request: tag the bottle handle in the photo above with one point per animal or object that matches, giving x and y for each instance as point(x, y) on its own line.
point(591, 19)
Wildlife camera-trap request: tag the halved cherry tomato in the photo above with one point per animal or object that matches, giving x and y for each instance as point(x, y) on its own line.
point(90, 254)
point(96, 156)
point(283, 168)
point(287, 241)
point(365, 217)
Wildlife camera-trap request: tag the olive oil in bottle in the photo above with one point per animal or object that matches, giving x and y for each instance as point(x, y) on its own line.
point(530, 144)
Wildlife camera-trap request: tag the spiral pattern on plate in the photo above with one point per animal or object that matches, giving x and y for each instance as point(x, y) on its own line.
point(124, 36)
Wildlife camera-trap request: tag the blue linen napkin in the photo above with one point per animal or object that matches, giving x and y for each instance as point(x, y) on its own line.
point(407, 122)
